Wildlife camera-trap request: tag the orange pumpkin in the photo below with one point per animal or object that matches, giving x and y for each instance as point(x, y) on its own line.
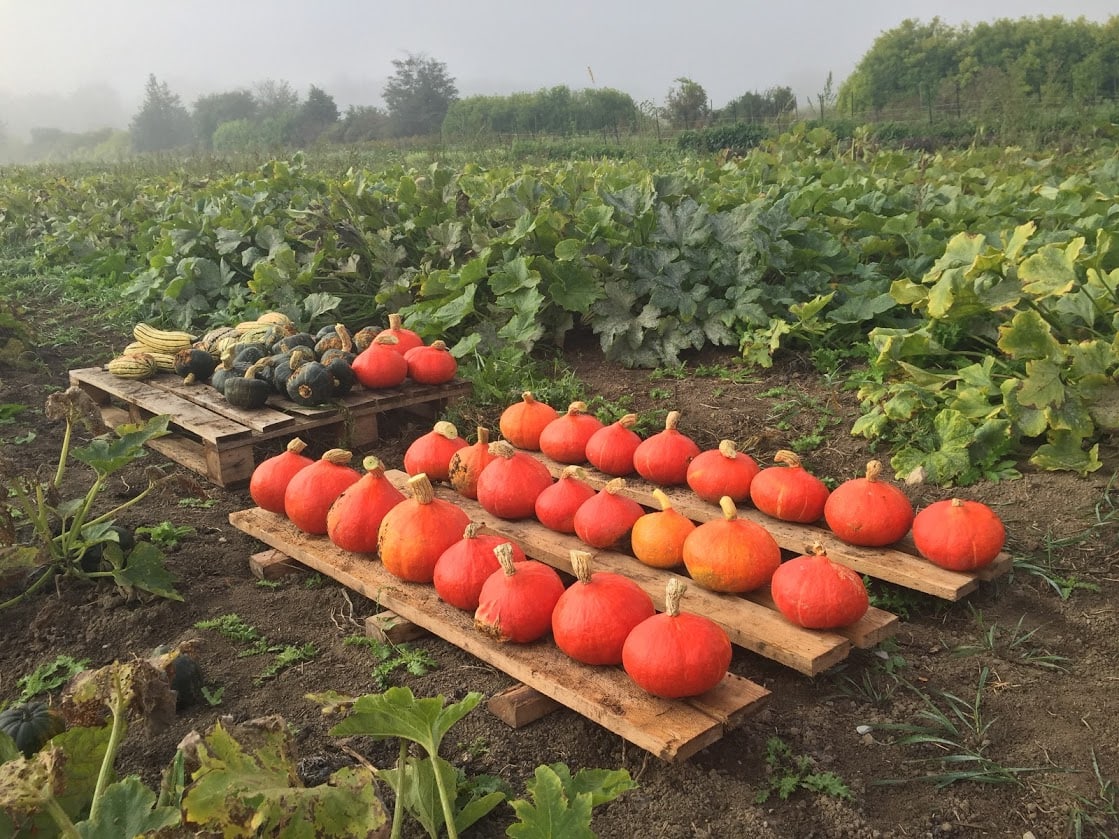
point(556, 506)
point(464, 567)
point(606, 517)
point(664, 458)
point(270, 478)
point(432, 452)
point(722, 471)
point(355, 516)
point(959, 535)
point(657, 538)
point(312, 490)
point(610, 449)
point(731, 554)
point(789, 492)
point(415, 532)
point(467, 464)
point(510, 484)
point(516, 602)
point(565, 438)
point(868, 511)
point(523, 422)
point(816, 593)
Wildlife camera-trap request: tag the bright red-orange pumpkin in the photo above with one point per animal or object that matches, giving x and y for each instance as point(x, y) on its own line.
point(406, 339)
point(657, 538)
point(593, 617)
point(516, 602)
point(432, 364)
point(959, 535)
point(664, 457)
point(676, 654)
point(464, 567)
point(380, 365)
point(510, 484)
point(565, 438)
point(789, 492)
point(608, 516)
point(868, 511)
point(270, 478)
point(523, 422)
point(556, 506)
point(467, 464)
point(415, 532)
point(312, 490)
point(722, 471)
point(355, 516)
point(432, 452)
point(816, 593)
point(731, 553)
point(610, 449)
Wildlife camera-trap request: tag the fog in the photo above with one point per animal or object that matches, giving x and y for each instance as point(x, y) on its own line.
point(78, 66)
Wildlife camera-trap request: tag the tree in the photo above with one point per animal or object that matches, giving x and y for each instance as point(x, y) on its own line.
point(360, 122)
point(317, 113)
point(418, 95)
point(162, 122)
point(756, 107)
point(275, 99)
point(212, 110)
point(686, 104)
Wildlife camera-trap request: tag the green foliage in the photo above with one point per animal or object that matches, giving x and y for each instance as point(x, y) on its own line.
point(232, 627)
point(786, 773)
point(49, 675)
point(286, 655)
point(165, 534)
point(74, 537)
point(162, 123)
point(393, 657)
point(561, 803)
point(737, 138)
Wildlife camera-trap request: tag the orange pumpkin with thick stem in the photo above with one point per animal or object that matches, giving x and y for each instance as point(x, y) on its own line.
point(556, 506)
point(596, 613)
point(432, 452)
point(869, 511)
point(312, 491)
point(611, 448)
point(731, 554)
point(565, 438)
point(657, 538)
point(380, 365)
point(522, 422)
point(271, 477)
point(464, 567)
point(354, 517)
point(467, 464)
point(676, 654)
point(432, 364)
point(664, 458)
point(415, 532)
point(959, 535)
point(816, 593)
point(789, 492)
point(608, 516)
point(722, 471)
point(406, 339)
point(516, 602)
point(510, 484)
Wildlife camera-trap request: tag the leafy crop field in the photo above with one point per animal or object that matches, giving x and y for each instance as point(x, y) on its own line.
point(953, 315)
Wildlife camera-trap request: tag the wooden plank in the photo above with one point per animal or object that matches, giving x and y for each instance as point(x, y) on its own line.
point(750, 625)
point(520, 705)
point(272, 564)
point(672, 730)
point(185, 414)
point(891, 564)
point(262, 420)
point(390, 628)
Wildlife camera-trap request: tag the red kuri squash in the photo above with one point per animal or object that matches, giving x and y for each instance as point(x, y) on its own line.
point(312, 490)
point(464, 567)
point(657, 538)
point(610, 449)
point(414, 533)
point(380, 365)
point(868, 511)
point(511, 482)
point(722, 471)
point(432, 364)
point(355, 516)
point(664, 457)
point(565, 438)
point(731, 554)
point(556, 506)
point(270, 478)
point(608, 516)
point(959, 535)
point(467, 464)
point(522, 422)
point(406, 339)
point(516, 602)
point(432, 452)
point(789, 492)
point(816, 593)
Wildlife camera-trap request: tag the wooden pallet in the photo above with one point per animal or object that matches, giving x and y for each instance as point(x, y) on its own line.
point(899, 564)
point(671, 730)
point(216, 439)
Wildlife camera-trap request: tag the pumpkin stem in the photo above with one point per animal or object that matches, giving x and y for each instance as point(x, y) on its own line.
point(437, 344)
point(726, 504)
point(957, 502)
point(577, 407)
point(504, 554)
point(628, 421)
point(674, 591)
point(445, 429)
point(502, 448)
point(574, 471)
point(671, 420)
point(372, 463)
point(817, 549)
point(873, 470)
point(296, 445)
point(614, 486)
point(386, 338)
point(472, 530)
point(395, 320)
point(662, 499)
point(727, 448)
point(581, 565)
point(483, 435)
point(422, 490)
point(338, 456)
point(528, 397)
point(344, 337)
point(788, 458)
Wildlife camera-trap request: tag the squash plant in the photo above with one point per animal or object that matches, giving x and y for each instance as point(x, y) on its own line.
point(48, 534)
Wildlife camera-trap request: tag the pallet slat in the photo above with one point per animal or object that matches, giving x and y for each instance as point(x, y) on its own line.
point(898, 564)
point(671, 730)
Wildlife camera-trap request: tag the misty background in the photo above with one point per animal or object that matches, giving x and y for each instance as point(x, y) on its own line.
point(79, 66)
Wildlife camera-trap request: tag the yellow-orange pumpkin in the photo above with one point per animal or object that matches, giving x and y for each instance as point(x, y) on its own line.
point(522, 422)
point(731, 553)
point(657, 538)
point(415, 532)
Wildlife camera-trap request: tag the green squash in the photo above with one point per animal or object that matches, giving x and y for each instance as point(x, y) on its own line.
point(31, 724)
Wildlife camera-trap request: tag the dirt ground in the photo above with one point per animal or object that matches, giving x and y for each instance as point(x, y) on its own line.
point(1050, 702)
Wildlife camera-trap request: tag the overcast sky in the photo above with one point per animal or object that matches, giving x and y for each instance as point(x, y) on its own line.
point(94, 56)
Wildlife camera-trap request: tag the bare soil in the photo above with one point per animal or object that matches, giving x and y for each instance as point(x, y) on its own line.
point(1051, 700)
